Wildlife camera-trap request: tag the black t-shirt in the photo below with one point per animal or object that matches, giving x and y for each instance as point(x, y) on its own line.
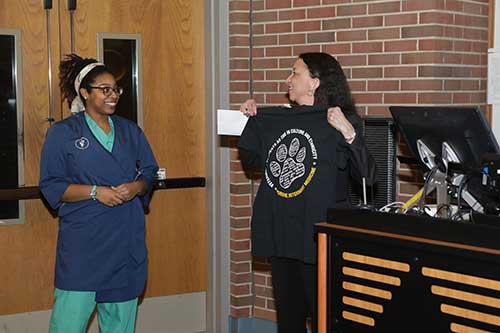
point(304, 166)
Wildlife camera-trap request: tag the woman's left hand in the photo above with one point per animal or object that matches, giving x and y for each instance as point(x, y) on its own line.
point(128, 190)
point(338, 121)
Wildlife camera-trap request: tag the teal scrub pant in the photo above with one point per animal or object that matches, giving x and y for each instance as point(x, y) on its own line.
point(72, 310)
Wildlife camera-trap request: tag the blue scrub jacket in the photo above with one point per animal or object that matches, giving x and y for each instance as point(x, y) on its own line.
point(99, 248)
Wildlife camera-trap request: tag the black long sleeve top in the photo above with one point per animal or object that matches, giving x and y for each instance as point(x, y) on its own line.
point(306, 166)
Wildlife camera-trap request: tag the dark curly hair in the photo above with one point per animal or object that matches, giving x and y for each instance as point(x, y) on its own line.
point(69, 68)
point(333, 89)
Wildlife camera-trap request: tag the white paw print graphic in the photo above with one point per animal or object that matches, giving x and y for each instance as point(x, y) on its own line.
point(289, 166)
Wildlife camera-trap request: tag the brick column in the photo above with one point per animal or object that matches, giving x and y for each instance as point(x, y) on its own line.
point(240, 186)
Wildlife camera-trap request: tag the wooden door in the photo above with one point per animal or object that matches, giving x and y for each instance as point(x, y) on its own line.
point(172, 34)
point(174, 122)
point(28, 250)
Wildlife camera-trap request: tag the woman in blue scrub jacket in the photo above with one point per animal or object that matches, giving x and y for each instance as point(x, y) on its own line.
point(97, 170)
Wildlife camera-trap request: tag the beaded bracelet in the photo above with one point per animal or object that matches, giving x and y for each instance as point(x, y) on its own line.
point(350, 139)
point(93, 192)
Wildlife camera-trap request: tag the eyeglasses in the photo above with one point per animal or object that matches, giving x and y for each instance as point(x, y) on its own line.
point(107, 91)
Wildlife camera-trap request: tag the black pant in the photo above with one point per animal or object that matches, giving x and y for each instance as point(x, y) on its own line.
point(295, 294)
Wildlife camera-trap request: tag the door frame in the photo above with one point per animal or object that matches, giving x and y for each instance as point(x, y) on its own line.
point(217, 166)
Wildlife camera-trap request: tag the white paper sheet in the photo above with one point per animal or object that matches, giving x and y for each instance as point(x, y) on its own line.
point(493, 78)
point(230, 122)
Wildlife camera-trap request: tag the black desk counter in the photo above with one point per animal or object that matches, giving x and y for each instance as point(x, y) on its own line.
point(384, 272)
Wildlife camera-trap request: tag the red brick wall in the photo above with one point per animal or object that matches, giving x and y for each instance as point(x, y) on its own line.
point(426, 52)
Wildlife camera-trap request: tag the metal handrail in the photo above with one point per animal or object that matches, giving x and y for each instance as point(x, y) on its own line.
point(33, 192)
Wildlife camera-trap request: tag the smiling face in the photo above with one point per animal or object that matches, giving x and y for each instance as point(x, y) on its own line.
point(301, 85)
point(96, 101)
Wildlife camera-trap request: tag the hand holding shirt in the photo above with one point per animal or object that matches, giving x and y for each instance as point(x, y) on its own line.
point(306, 164)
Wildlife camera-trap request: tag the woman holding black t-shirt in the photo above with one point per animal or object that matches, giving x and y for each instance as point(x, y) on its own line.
point(317, 84)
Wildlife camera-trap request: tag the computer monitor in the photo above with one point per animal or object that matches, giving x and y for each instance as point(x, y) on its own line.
point(437, 136)
point(464, 129)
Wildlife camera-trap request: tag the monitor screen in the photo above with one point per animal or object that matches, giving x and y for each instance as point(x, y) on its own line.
point(465, 129)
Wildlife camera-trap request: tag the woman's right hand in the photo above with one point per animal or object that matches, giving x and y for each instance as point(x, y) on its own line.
point(249, 107)
point(108, 196)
